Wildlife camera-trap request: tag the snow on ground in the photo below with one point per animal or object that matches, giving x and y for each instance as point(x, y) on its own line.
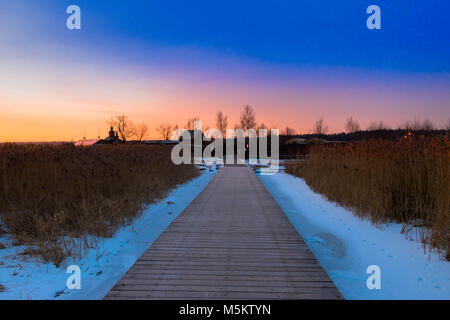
point(346, 245)
point(101, 268)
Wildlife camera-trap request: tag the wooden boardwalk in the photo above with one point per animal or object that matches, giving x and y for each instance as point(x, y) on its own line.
point(232, 242)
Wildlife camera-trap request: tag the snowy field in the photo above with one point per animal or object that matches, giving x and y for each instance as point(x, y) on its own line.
point(346, 245)
point(100, 268)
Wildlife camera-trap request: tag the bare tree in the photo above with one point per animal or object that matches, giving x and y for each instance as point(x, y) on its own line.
point(351, 125)
point(221, 122)
point(427, 125)
point(165, 130)
point(289, 132)
point(176, 132)
point(415, 125)
point(320, 127)
point(447, 127)
point(175, 128)
point(248, 118)
point(261, 127)
point(123, 126)
point(141, 131)
point(190, 125)
point(418, 124)
point(238, 131)
point(375, 126)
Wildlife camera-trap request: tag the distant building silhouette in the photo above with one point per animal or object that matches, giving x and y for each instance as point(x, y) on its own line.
point(112, 138)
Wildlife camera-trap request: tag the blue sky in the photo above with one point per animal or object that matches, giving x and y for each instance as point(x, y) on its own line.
point(153, 59)
point(414, 37)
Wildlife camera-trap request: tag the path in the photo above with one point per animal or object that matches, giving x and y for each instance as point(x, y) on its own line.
point(232, 242)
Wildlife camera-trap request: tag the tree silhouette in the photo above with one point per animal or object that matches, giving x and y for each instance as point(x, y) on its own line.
point(320, 128)
point(141, 132)
point(123, 126)
point(248, 118)
point(190, 125)
point(165, 130)
point(351, 125)
point(376, 126)
point(289, 132)
point(221, 122)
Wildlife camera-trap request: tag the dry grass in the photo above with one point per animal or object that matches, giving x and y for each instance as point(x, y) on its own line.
point(63, 199)
point(405, 181)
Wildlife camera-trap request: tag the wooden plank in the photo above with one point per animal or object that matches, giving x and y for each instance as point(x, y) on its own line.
point(248, 273)
point(324, 293)
point(232, 242)
point(220, 277)
point(234, 284)
point(232, 265)
point(310, 287)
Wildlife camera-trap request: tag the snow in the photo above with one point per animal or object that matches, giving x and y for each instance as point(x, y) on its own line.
point(101, 268)
point(86, 142)
point(346, 246)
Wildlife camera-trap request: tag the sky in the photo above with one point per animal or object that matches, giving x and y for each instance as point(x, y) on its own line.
point(169, 60)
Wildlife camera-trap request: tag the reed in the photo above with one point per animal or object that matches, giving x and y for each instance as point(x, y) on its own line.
point(406, 181)
point(63, 199)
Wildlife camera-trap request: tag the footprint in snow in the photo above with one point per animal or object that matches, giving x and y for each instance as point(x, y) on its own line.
point(59, 293)
point(330, 243)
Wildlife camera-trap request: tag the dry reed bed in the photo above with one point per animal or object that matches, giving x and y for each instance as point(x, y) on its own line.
point(63, 199)
point(406, 181)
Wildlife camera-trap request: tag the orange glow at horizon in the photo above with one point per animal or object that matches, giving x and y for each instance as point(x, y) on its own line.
point(42, 104)
point(59, 86)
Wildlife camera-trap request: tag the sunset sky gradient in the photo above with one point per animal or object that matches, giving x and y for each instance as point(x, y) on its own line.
point(166, 61)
